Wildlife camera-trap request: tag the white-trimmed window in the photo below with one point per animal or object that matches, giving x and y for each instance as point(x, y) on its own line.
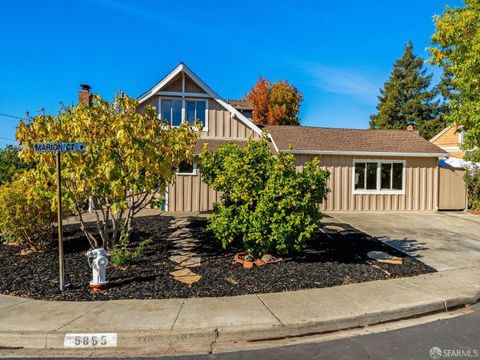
point(175, 111)
point(196, 110)
point(171, 111)
point(378, 177)
point(187, 169)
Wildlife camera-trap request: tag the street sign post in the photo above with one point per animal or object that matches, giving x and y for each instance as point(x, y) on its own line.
point(58, 148)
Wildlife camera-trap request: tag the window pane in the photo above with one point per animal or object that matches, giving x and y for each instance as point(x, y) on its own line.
point(386, 176)
point(190, 112)
point(359, 175)
point(185, 168)
point(177, 112)
point(397, 176)
point(201, 110)
point(371, 176)
point(196, 111)
point(166, 106)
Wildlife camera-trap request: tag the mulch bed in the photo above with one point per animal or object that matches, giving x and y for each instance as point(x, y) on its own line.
point(334, 258)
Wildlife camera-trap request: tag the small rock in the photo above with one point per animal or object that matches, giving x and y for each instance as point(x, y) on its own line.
point(232, 281)
point(26, 252)
point(333, 228)
point(383, 257)
point(267, 258)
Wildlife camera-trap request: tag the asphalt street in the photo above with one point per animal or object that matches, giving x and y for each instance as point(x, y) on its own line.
point(454, 338)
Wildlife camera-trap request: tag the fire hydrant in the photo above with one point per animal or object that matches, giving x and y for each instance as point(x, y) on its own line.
point(98, 261)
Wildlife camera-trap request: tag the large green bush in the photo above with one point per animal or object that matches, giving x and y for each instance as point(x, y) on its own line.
point(267, 205)
point(25, 219)
point(472, 181)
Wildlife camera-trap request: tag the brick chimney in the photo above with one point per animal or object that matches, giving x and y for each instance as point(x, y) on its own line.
point(411, 127)
point(85, 95)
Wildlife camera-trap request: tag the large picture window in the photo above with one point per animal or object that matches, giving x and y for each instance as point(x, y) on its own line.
point(378, 176)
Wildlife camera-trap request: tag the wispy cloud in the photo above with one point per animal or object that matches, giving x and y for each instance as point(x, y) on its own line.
point(163, 19)
point(344, 81)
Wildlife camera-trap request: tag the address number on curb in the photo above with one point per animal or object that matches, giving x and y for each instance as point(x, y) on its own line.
point(90, 340)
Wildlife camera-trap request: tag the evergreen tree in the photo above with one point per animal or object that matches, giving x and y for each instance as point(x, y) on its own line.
point(407, 98)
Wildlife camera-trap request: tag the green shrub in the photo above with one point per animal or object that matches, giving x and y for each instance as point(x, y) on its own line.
point(472, 181)
point(25, 217)
point(122, 253)
point(10, 164)
point(267, 205)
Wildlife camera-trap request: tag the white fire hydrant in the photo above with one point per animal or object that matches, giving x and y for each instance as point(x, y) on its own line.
point(98, 261)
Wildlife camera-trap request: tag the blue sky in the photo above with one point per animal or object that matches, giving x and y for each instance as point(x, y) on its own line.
point(337, 53)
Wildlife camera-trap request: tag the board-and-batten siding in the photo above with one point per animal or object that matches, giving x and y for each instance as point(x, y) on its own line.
point(189, 194)
point(221, 124)
point(421, 185)
point(421, 188)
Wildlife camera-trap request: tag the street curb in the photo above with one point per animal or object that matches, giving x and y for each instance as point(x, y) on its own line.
point(203, 339)
point(460, 288)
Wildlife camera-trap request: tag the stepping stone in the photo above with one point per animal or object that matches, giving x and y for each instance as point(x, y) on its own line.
point(181, 252)
point(383, 257)
point(192, 262)
point(179, 233)
point(186, 276)
point(179, 258)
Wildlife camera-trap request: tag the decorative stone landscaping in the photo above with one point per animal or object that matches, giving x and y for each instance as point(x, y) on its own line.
point(184, 260)
point(183, 251)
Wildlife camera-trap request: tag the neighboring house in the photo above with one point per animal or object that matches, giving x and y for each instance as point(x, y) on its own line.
point(371, 170)
point(244, 106)
point(450, 139)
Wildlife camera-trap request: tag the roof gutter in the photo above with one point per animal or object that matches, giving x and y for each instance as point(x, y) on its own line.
point(366, 153)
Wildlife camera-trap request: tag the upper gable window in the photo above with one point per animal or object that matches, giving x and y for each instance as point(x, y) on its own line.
point(171, 110)
point(177, 110)
point(196, 111)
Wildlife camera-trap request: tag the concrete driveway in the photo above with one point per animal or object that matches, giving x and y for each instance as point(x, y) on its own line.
point(442, 240)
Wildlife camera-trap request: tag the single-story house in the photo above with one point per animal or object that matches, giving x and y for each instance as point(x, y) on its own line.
point(371, 170)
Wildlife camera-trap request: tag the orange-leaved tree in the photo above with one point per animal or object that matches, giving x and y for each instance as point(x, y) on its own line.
point(275, 104)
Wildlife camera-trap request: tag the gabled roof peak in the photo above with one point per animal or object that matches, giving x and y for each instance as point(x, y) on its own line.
point(181, 67)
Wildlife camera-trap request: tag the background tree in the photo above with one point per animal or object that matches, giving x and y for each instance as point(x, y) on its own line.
point(275, 104)
point(11, 164)
point(130, 158)
point(267, 205)
point(407, 98)
point(457, 48)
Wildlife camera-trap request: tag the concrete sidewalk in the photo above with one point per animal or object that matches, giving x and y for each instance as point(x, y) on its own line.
point(195, 325)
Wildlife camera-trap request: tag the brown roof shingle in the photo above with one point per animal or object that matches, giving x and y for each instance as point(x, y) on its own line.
point(214, 144)
point(308, 138)
point(242, 104)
